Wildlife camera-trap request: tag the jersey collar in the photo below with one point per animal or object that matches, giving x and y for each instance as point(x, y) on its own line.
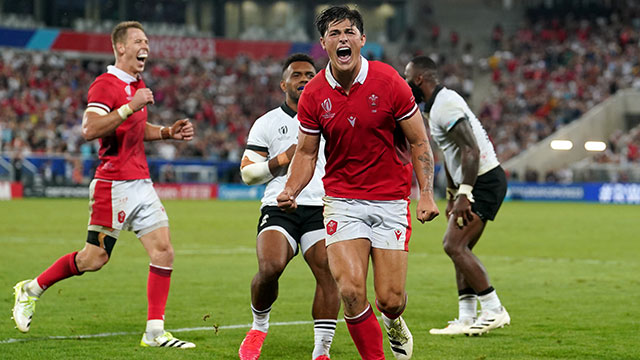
point(121, 74)
point(287, 110)
point(429, 103)
point(362, 75)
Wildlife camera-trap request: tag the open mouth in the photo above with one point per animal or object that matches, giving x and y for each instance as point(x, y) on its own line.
point(142, 56)
point(344, 54)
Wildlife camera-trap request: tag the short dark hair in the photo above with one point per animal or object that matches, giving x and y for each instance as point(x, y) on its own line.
point(424, 63)
point(297, 57)
point(119, 33)
point(336, 14)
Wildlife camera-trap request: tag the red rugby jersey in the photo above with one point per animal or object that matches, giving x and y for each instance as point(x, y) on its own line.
point(122, 152)
point(365, 148)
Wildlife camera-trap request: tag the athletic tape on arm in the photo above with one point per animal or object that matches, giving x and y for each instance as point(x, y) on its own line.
point(258, 172)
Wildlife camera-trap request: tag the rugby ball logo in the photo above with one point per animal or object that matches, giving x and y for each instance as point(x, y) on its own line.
point(326, 105)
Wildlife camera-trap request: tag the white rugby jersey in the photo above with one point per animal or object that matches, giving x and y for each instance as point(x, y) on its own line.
point(445, 108)
point(273, 133)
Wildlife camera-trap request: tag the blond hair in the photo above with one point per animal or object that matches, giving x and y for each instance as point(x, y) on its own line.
point(119, 33)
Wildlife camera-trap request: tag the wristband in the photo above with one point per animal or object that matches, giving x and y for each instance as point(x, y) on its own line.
point(465, 190)
point(165, 133)
point(451, 193)
point(124, 111)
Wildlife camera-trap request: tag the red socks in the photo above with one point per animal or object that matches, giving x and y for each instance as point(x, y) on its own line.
point(157, 291)
point(63, 268)
point(367, 335)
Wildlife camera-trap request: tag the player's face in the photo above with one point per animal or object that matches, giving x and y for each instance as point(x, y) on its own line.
point(342, 41)
point(135, 51)
point(414, 80)
point(294, 79)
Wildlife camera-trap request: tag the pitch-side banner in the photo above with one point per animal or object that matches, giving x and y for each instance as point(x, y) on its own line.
point(606, 193)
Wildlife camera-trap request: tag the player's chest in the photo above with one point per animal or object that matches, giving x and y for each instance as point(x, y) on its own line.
point(362, 111)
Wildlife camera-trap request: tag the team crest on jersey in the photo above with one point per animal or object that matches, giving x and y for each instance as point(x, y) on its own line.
point(373, 102)
point(121, 216)
point(352, 120)
point(283, 130)
point(332, 226)
point(326, 106)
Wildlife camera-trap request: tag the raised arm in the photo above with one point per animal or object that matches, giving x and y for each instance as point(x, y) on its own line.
point(302, 168)
point(422, 159)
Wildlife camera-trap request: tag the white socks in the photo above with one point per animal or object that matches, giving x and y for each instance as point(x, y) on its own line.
point(260, 319)
point(154, 329)
point(490, 302)
point(323, 331)
point(33, 288)
point(467, 308)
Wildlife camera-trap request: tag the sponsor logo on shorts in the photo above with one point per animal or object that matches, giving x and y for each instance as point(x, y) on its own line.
point(332, 226)
point(398, 234)
point(121, 216)
point(264, 219)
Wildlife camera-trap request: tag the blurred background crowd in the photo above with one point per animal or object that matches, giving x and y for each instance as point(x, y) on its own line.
point(523, 83)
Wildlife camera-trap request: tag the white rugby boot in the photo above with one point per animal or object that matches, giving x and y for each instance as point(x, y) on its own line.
point(488, 321)
point(166, 340)
point(455, 327)
point(24, 307)
point(400, 339)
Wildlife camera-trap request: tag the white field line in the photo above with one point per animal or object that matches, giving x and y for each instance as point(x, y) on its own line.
point(122, 333)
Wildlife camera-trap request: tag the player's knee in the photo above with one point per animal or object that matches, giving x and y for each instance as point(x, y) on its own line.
point(272, 269)
point(162, 254)
point(451, 247)
point(351, 292)
point(91, 261)
point(392, 302)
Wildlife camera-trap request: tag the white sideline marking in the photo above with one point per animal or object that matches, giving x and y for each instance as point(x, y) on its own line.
point(101, 335)
point(200, 328)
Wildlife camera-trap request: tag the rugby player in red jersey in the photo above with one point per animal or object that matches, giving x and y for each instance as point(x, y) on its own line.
point(367, 113)
point(122, 196)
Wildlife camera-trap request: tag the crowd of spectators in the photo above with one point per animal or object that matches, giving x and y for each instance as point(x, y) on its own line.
point(545, 75)
point(554, 69)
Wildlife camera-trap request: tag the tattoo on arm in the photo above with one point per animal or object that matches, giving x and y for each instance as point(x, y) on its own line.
point(426, 160)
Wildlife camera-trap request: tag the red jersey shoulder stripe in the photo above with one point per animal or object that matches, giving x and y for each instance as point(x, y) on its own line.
point(409, 114)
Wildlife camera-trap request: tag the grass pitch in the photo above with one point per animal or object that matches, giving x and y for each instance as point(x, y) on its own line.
point(567, 273)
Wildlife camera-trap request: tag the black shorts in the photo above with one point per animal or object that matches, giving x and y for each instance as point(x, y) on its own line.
point(305, 219)
point(488, 192)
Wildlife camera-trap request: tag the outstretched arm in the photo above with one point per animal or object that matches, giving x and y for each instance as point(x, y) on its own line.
point(180, 130)
point(422, 159)
point(302, 168)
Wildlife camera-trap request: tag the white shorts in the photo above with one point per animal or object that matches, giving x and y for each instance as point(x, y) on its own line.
point(386, 223)
point(131, 205)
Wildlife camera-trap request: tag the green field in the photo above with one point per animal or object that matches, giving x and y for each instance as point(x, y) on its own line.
point(569, 274)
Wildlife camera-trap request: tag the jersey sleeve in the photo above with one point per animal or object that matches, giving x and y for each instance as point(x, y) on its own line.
point(101, 95)
point(258, 137)
point(308, 121)
point(450, 112)
point(404, 104)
